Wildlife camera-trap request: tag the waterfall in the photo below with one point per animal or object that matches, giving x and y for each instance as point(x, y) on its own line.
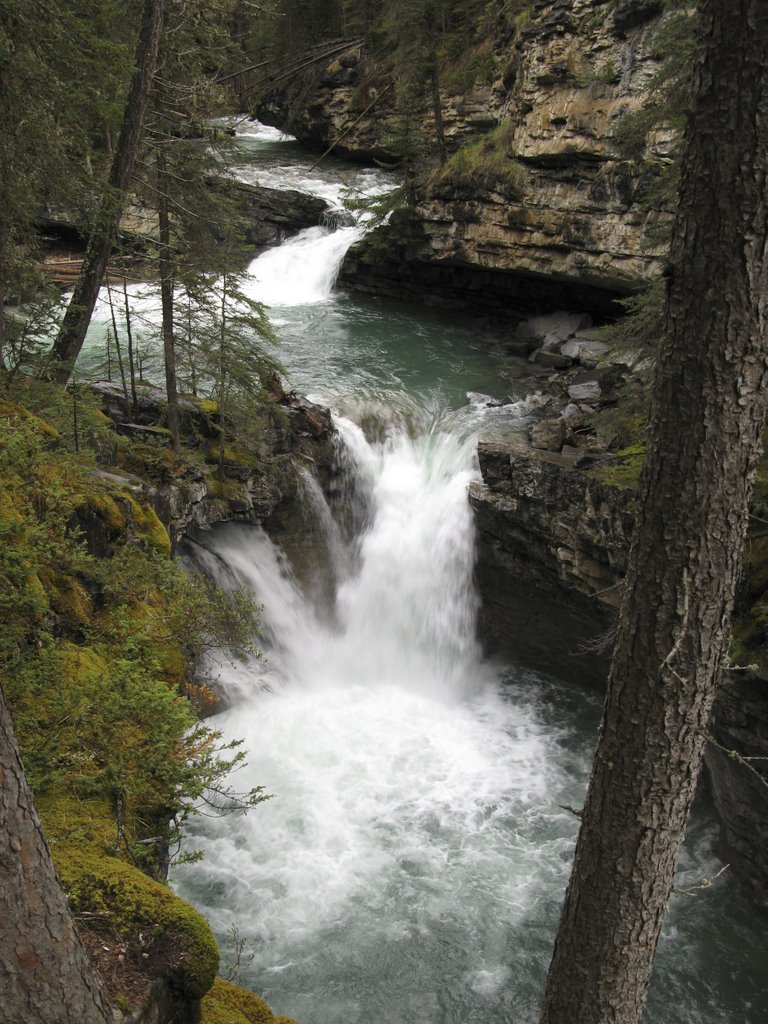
point(412, 863)
point(408, 788)
point(302, 270)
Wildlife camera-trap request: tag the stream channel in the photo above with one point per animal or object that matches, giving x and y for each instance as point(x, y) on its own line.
point(412, 863)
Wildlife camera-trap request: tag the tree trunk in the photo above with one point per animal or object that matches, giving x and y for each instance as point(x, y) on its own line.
point(703, 444)
point(73, 329)
point(131, 364)
point(166, 298)
point(45, 974)
point(437, 110)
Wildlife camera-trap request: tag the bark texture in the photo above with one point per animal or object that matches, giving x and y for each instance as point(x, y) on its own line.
point(45, 974)
point(704, 441)
point(80, 309)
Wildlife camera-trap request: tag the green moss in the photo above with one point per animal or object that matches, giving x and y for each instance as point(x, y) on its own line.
point(229, 1004)
point(207, 406)
point(148, 527)
point(621, 469)
point(68, 597)
point(226, 489)
point(234, 455)
point(107, 509)
point(162, 933)
point(487, 163)
point(14, 411)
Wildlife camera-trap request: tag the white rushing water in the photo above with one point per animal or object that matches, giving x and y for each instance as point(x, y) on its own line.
point(411, 865)
point(415, 822)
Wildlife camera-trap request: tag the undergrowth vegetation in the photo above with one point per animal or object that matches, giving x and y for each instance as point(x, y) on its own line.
point(101, 656)
point(484, 164)
point(100, 627)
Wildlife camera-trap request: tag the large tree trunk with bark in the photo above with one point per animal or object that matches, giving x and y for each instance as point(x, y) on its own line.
point(45, 974)
point(703, 444)
point(78, 316)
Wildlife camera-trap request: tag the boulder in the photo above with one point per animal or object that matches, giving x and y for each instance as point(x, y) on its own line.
point(553, 359)
point(585, 351)
point(548, 435)
point(586, 391)
point(573, 415)
point(557, 326)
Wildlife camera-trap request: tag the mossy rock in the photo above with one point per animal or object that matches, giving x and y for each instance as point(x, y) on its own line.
point(107, 509)
point(207, 406)
point(15, 411)
point(147, 526)
point(68, 597)
point(229, 1004)
point(234, 456)
point(161, 933)
point(226, 489)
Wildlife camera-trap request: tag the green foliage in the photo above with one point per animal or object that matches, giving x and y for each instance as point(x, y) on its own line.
point(639, 330)
point(375, 210)
point(38, 498)
point(228, 1004)
point(160, 934)
point(487, 163)
point(28, 330)
point(226, 360)
point(94, 651)
point(63, 69)
point(622, 468)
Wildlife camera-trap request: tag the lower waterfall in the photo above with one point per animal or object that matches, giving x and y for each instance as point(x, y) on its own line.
point(415, 823)
point(411, 864)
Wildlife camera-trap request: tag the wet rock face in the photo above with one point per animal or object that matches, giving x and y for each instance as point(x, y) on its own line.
point(266, 216)
point(552, 546)
point(551, 553)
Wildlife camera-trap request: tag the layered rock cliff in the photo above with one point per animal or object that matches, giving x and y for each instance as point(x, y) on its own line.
point(572, 220)
point(552, 550)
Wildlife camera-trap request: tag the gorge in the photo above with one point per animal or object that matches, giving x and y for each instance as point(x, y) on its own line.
point(411, 860)
point(371, 554)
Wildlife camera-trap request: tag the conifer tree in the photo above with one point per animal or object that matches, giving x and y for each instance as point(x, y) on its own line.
point(60, 71)
point(77, 318)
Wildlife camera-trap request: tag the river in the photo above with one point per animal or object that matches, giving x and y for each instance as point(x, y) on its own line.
point(411, 864)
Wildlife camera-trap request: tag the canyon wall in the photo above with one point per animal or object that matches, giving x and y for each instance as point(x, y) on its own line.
point(572, 219)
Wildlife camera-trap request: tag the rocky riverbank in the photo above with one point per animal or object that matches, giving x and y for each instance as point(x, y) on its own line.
point(245, 488)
